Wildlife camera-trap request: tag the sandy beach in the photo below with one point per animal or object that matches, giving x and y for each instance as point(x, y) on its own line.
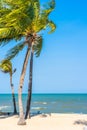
point(46, 122)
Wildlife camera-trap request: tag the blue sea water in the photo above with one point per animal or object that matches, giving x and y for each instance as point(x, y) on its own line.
point(48, 103)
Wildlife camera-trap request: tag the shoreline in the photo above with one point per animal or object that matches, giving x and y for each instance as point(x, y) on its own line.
point(52, 121)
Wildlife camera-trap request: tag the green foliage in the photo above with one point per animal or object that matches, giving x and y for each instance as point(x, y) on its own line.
point(37, 47)
point(52, 27)
point(20, 18)
point(6, 66)
point(14, 51)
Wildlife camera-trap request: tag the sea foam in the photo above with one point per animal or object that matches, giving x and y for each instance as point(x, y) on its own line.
point(3, 107)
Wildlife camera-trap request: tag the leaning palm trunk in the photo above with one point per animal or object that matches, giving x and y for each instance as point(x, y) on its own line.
point(29, 87)
point(13, 95)
point(21, 114)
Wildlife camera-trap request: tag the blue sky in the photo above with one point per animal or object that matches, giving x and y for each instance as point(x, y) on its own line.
point(62, 65)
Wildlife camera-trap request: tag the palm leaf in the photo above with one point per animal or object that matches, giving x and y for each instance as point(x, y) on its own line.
point(14, 51)
point(22, 17)
point(52, 26)
point(6, 66)
point(37, 47)
point(7, 34)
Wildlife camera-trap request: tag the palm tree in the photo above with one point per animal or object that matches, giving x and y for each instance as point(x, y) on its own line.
point(24, 20)
point(6, 67)
point(37, 49)
point(29, 87)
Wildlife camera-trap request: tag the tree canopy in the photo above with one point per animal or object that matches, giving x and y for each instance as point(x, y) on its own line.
point(20, 18)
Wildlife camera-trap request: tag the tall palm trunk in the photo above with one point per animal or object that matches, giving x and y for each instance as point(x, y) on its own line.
point(29, 87)
point(21, 114)
point(13, 95)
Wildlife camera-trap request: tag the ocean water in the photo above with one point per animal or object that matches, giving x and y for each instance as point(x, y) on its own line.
point(48, 103)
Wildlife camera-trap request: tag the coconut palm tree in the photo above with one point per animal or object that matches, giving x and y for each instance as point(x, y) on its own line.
point(37, 49)
point(6, 67)
point(29, 87)
point(24, 20)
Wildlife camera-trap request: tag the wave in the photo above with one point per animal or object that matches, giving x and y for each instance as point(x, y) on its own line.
point(44, 102)
point(38, 108)
point(40, 103)
point(3, 107)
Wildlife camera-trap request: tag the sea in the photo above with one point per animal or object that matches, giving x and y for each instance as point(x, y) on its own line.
point(48, 103)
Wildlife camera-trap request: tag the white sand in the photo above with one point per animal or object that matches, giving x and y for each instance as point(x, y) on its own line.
point(50, 122)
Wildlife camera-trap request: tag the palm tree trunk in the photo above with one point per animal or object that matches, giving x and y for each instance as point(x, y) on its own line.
point(29, 87)
point(13, 95)
point(21, 114)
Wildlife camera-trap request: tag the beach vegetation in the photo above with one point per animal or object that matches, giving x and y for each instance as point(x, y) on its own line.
point(6, 67)
point(23, 21)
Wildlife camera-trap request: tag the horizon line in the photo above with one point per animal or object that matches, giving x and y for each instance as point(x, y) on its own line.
point(46, 93)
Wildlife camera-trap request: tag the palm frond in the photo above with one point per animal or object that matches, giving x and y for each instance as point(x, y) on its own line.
point(43, 18)
point(48, 7)
point(22, 17)
point(37, 47)
point(52, 26)
point(15, 19)
point(6, 66)
point(14, 51)
point(8, 34)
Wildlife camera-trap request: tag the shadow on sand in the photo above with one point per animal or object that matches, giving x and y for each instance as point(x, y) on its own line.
point(4, 115)
point(80, 122)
